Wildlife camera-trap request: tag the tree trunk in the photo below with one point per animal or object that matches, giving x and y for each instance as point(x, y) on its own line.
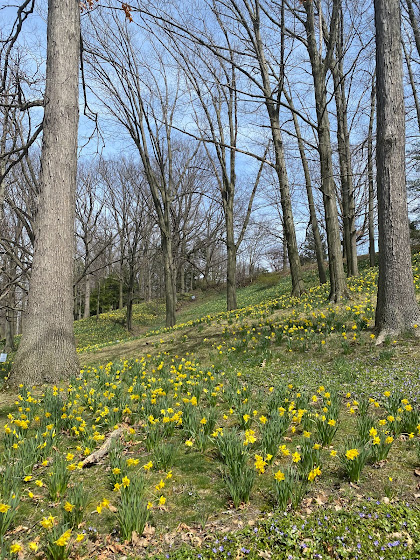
point(372, 257)
point(98, 305)
point(170, 292)
point(414, 24)
point(335, 262)
point(396, 309)
point(129, 315)
point(10, 309)
point(47, 352)
point(412, 84)
point(231, 251)
point(311, 204)
point(280, 168)
point(149, 283)
point(121, 294)
point(86, 312)
point(346, 172)
point(285, 262)
point(286, 206)
point(79, 305)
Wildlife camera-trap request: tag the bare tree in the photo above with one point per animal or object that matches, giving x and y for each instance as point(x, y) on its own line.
point(214, 83)
point(143, 101)
point(320, 66)
point(245, 24)
point(313, 220)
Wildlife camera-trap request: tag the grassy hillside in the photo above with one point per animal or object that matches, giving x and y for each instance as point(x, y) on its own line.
point(278, 430)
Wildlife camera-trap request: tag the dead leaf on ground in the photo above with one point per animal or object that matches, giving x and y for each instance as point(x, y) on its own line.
point(321, 499)
point(149, 530)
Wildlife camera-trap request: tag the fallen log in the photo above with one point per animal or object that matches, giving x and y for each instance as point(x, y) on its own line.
point(103, 450)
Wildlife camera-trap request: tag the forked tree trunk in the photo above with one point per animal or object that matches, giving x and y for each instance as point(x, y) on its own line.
point(47, 352)
point(396, 309)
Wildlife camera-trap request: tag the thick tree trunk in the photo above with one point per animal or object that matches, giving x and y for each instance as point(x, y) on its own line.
point(47, 352)
point(396, 309)
point(371, 221)
point(86, 312)
point(285, 261)
point(129, 315)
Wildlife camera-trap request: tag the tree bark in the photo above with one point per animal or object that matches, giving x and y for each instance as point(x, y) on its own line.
point(86, 312)
point(170, 291)
point(47, 352)
point(311, 204)
point(371, 221)
point(397, 309)
point(231, 259)
point(412, 83)
point(273, 108)
point(414, 24)
point(344, 153)
point(338, 284)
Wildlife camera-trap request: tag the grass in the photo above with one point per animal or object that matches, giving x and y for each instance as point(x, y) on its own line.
point(275, 374)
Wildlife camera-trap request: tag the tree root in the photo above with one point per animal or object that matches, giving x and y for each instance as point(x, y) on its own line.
point(384, 333)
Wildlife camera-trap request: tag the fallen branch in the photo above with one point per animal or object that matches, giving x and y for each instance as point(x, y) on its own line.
point(103, 450)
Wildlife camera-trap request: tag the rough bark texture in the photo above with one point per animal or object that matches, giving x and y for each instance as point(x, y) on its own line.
point(47, 351)
point(9, 331)
point(372, 258)
point(396, 309)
